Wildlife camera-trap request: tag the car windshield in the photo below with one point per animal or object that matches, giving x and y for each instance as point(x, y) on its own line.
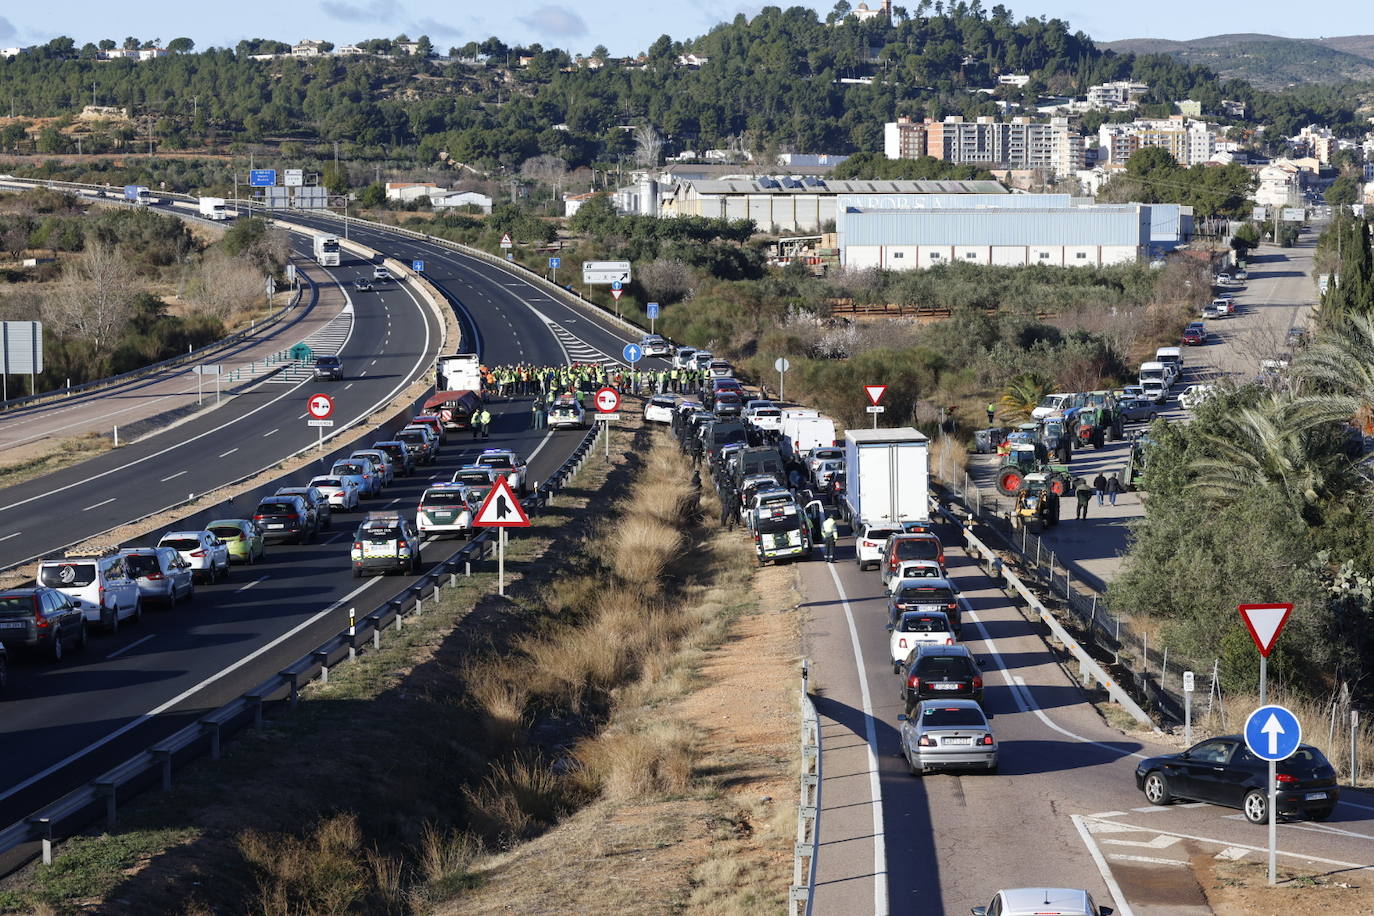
point(790, 522)
point(16, 605)
point(923, 623)
point(925, 594)
point(352, 470)
point(180, 543)
point(276, 509)
point(944, 666)
point(142, 564)
point(327, 361)
point(226, 532)
point(917, 549)
point(380, 534)
point(413, 435)
point(67, 575)
point(920, 572)
point(471, 477)
point(496, 461)
point(952, 717)
point(443, 498)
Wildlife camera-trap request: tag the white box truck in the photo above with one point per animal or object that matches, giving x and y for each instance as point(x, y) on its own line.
point(327, 250)
point(213, 208)
point(887, 475)
point(803, 430)
point(460, 372)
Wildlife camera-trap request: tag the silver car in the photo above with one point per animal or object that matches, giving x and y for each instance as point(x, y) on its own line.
point(951, 734)
point(162, 575)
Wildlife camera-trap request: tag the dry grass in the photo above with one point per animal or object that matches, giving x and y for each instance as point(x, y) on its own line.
point(948, 459)
point(26, 462)
point(325, 872)
point(520, 797)
point(631, 766)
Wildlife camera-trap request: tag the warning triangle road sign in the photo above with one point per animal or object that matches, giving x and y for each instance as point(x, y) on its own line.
point(501, 509)
point(875, 393)
point(1265, 623)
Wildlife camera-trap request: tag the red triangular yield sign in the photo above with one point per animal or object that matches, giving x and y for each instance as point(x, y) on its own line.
point(1265, 622)
point(875, 393)
point(617, 293)
point(501, 509)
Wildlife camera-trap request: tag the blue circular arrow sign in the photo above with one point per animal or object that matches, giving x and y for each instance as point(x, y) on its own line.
point(632, 353)
point(1272, 733)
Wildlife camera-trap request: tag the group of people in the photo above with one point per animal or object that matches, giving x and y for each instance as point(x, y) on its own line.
point(1101, 486)
point(526, 379)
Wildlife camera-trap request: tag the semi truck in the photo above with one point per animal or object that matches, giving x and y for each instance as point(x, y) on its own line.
point(802, 430)
point(459, 372)
point(887, 476)
point(327, 250)
point(138, 194)
point(213, 208)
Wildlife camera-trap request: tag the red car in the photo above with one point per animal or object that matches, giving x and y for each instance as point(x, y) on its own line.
point(1194, 337)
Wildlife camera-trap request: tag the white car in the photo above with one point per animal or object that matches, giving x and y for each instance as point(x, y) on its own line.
point(507, 462)
point(566, 413)
point(1194, 395)
point(448, 508)
point(825, 472)
point(659, 409)
point(719, 368)
point(683, 357)
point(1052, 404)
point(102, 585)
point(767, 498)
point(206, 554)
point(822, 453)
point(341, 492)
point(360, 472)
point(381, 273)
point(914, 569)
point(1155, 390)
point(654, 345)
point(869, 541)
point(763, 414)
point(914, 628)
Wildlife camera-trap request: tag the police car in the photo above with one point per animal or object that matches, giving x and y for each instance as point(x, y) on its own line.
point(385, 541)
point(472, 475)
point(507, 462)
point(780, 531)
point(448, 508)
point(566, 413)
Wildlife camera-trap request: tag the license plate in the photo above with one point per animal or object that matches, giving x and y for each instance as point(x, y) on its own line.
point(956, 741)
point(930, 607)
point(276, 526)
point(1315, 796)
point(379, 550)
point(12, 624)
point(945, 686)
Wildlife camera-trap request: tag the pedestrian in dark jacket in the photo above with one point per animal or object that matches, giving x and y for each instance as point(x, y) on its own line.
point(1113, 488)
point(1084, 496)
point(1100, 487)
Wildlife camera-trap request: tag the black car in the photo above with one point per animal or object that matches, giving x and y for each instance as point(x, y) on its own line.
point(930, 595)
point(1138, 410)
point(316, 500)
point(330, 367)
point(936, 672)
point(1224, 772)
point(4, 666)
point(41, 620)
point(362, 284)
point(401, 456)
point(286, 518)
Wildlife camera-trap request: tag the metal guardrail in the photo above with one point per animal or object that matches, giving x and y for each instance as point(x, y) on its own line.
point(36, 834)
point(808, 805)
point(1103, 629)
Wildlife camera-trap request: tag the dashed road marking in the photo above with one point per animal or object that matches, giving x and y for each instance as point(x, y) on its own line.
point(230, 452)
point(99, 504)
point(137, 642)
point(171, 476)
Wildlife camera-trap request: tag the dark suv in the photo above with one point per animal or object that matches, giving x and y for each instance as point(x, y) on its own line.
point(316, 500)
point(330, 367)
point(41, 620)
point(927, 595)
point(286, 518)
point(401, 455)
point(941, 672)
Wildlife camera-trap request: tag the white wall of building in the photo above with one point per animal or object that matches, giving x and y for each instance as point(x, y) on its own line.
point(912, 257)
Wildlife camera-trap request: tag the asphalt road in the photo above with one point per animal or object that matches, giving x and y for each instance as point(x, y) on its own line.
point(77, 718)
point(1063, 809)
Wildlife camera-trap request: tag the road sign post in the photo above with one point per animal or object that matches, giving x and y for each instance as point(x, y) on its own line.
point(652, 310)
point(320, 407)
point(501, 510)
point(1189, 682)
point(554, 264)
point(1273, 733)
point(607, 402)
point(1265, 623)
point(782, 365)
point(875, 394)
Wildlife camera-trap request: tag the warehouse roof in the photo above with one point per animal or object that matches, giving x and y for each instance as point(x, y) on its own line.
point(787, 184)
point(1127, 224)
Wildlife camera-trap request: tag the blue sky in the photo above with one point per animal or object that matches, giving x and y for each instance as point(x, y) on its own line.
point(581, 25)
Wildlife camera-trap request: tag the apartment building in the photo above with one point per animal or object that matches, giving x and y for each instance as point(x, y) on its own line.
point(1019, 143)
point(1120, 94)
point(904, 139)
point(1188, 141)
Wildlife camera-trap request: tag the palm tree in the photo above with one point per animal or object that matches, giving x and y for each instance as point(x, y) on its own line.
point(1337, 370)
point(1022, 394)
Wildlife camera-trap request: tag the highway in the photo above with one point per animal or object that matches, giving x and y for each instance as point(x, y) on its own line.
point(77, 718)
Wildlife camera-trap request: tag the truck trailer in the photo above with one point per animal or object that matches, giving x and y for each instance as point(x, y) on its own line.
point(327, 250)
point(138, 194)
point(803, 430)
point(213, 208)
point(887, 476)
point(459, 372)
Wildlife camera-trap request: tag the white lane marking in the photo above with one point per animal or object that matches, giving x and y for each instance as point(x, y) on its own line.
point(1162, 841)
point(230, 452)
point(244, 588)
point(1341, 802)
point(348, 386)
point(361, 374)
point(303, 416)
point(1108, 814)
point(266, 434)
point(1122, 907)
point(188, 692)
point(1148, 860)
point(1232, 845)
point(137, 642)
point(537, 448)
point(172, 476)
point(1231, 852)
point(99, 504)
point(373, 363)
point(1040, 714)
point(8, 536)
point(875, 788)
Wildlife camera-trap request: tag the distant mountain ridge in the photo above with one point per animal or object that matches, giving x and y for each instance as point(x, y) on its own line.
point(1268, 61)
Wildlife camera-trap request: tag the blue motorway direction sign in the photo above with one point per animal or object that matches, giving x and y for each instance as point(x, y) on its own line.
point(417, 266)
point(555, 263)
point(653, 309)
point(262, 178)
point(1272, 733)
point(632, 353)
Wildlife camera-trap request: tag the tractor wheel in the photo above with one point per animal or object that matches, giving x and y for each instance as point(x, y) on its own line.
point(1009, 481)
point(1058, 485)
point(1098, 438)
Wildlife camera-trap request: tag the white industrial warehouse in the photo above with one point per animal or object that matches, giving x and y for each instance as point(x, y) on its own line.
point(1014, 230)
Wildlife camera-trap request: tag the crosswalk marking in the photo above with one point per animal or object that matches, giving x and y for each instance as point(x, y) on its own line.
point(327, 341)
point(579, 351)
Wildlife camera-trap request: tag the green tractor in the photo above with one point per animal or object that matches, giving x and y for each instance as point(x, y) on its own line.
point(1037, 504)
point(1135, 463)
point(1098, 425)
point(1026, 456)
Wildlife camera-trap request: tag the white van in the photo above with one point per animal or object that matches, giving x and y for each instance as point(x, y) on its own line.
point(1171, 357)
point(101, 585)
point(1154, 372)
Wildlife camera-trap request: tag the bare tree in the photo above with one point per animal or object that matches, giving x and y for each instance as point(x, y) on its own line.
point(15, 241)
point(94, 298)
point(666, 280)
point(648, 144)
point(226, 286)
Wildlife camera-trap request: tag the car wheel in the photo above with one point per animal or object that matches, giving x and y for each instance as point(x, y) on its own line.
point(1157, 790)
point(4, 671)
point(138, 610)
point(1319, 814)
point(911, 767)
point(114, 621)
point(57, 645)
point(1256, 807)
point(224, 573)
point(357, 573)
point(81, 637)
